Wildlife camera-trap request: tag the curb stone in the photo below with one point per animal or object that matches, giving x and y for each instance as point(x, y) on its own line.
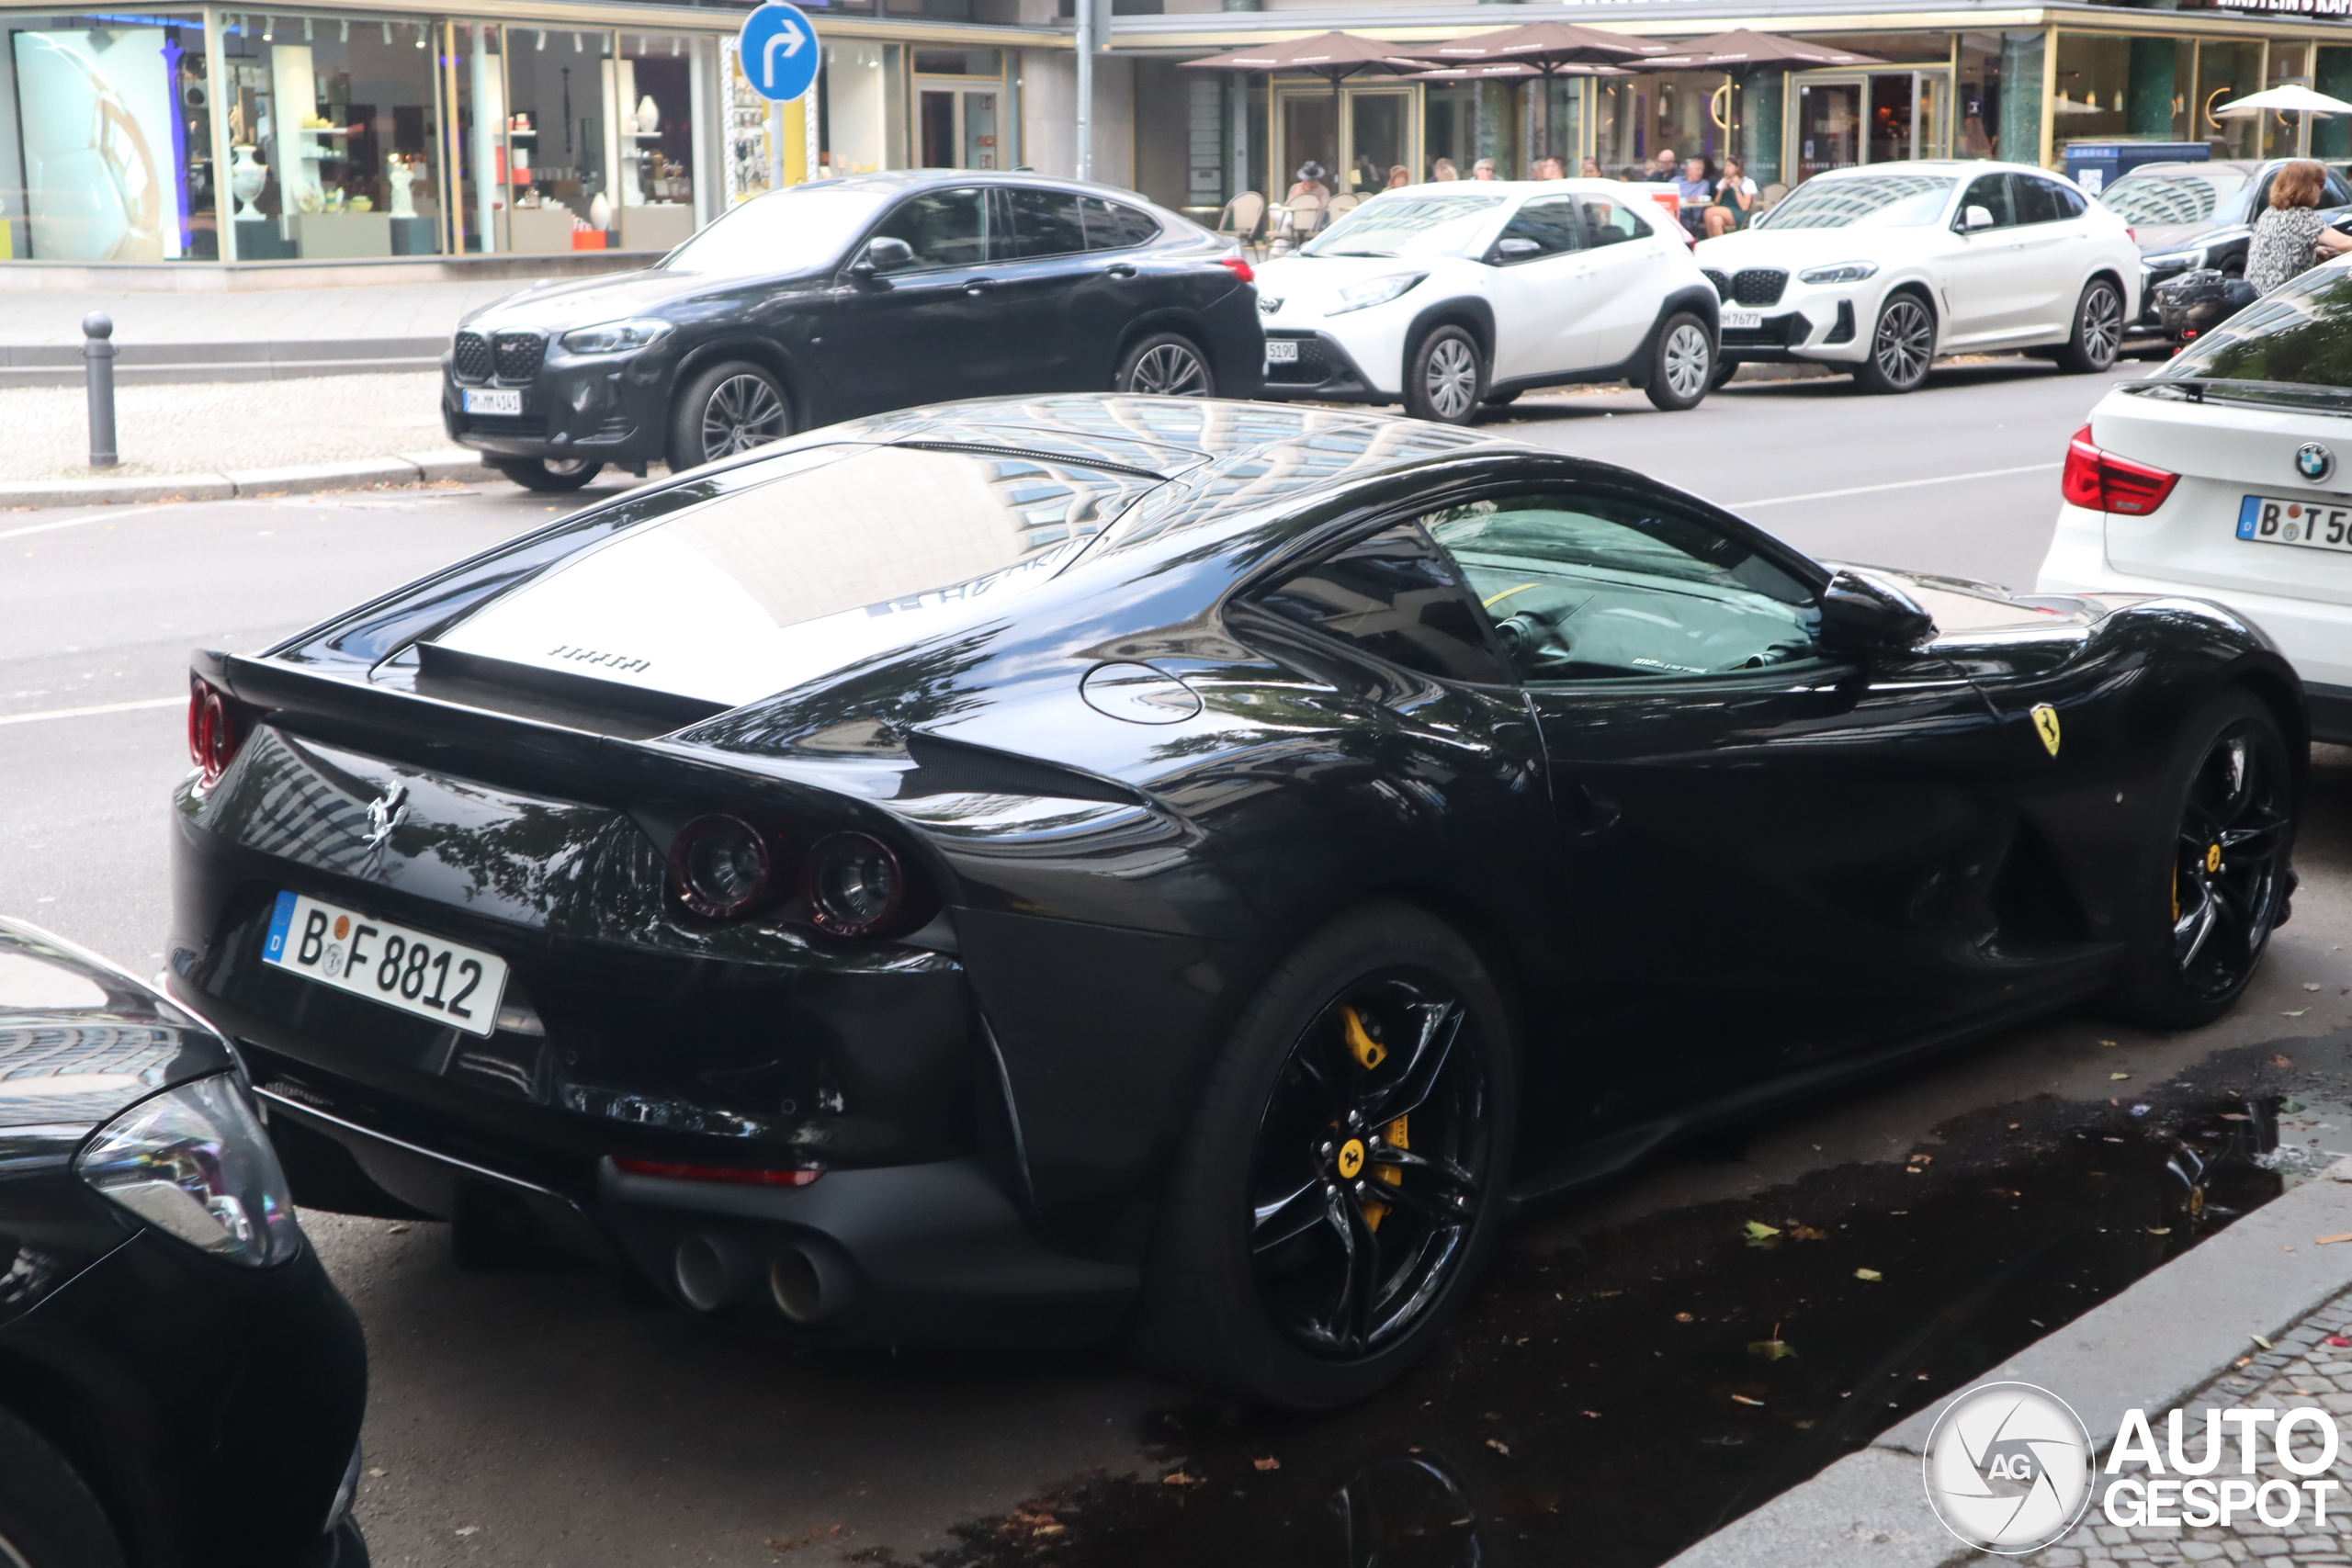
point(2170, 1335)
point(402, 468)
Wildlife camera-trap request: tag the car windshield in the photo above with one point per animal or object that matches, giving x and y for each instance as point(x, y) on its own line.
point(2174, 196)
point(1408, 226)
point(2293, 346)
point(1864, 201)
point(791, 231)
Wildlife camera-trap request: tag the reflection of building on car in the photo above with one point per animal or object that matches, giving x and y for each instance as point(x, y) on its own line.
point(2222, 475)
point(1881, 269)
point(2198, 216)
point(179, 1381)
point(844, 298)
point(1034, 871)
point(1443, 298)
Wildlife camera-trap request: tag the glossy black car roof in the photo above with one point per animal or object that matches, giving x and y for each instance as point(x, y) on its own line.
point(898, 181)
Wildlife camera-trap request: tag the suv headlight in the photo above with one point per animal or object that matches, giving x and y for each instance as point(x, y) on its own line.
point(194, 1164)
point(1840, 271)
point(617, 337)
point(2194, 257)
point(1374, 291)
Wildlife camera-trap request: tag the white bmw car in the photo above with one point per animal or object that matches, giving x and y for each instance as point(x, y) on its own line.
point(1881, 268)
point(2228, 475)
point(1442, 296)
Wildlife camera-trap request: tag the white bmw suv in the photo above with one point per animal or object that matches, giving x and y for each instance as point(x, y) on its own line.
point(1880, 269)
point(1443, 296)
point(2227, 475)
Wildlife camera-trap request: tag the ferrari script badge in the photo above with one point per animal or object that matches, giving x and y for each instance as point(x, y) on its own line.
point(2045, 723)
point(385, 813)
point(1351, 1158)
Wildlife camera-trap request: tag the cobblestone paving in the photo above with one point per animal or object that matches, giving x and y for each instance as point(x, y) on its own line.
point(2302, 1369)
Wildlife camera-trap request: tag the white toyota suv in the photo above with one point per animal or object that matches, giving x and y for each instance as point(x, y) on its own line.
point(2227, 475)
point(1443, 296)
point(1880, 269)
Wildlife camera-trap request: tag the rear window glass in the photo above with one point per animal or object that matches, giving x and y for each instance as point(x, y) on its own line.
point(770, 586)
point(2297, 338)
point(2156, 200)
point(1862, 201)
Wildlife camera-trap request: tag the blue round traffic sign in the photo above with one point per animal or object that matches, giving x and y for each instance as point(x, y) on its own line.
point(780, 54)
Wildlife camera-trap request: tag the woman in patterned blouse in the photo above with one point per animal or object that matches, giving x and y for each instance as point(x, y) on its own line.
point(2289, 228)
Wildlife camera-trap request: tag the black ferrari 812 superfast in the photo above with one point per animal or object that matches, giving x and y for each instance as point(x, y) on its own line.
point(1091, 867)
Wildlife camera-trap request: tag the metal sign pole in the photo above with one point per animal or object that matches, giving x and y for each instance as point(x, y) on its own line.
point(809, 116)
point(775, 144)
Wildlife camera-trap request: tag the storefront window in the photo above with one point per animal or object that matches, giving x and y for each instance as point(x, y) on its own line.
point(2111, 88)
point(864, 115)
point(1449, 129)
point(105, 140)
point(1829, 127)
point(561, 125)
point(2227, 70)
point(2332, 74)
point(650, 104)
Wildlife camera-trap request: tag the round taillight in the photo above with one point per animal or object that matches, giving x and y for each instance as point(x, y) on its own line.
point(211, 740)
point(856, 884)
point(719, 868)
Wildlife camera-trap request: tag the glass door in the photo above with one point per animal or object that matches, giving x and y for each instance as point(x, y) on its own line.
point(957, 128)
point(1828, 125)
point(1884, 116)
point(1306, 131)
point(1379, 139)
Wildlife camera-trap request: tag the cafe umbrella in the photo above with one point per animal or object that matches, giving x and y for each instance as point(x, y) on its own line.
point(2301, 102)
point(1334, 56)
point(1743, 50)
point(1549, 48)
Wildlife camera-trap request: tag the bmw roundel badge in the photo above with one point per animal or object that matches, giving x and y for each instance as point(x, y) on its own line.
point(2313, 461)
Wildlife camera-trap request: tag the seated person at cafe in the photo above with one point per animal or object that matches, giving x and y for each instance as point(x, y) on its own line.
point(1696, 192)
point(1735, 202)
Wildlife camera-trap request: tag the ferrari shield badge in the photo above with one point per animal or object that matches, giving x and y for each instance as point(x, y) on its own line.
point(2045, 723)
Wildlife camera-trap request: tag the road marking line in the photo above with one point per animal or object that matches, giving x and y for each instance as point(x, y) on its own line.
point(1898, 484)
point(109, 516)
point(140, 706)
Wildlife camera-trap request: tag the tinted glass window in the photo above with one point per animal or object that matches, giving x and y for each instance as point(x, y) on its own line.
point(2296, 337)
point(1607, 222)
point(1046, 224)
point(1396, 597)
point(1862, 201)
point(1598, 587)
point(2187, 197)
point(944, 228)
point(1112, 227)
point(1990, 192)
point(1549, 223)
point(2037, 200)
point(1397, 223)
point(790, 230)
point(2072, 202)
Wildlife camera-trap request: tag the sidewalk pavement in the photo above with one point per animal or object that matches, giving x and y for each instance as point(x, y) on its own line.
point(2190, 1335)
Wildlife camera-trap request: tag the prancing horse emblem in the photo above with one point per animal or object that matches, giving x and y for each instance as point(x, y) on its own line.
point(386, 812)
point(2045, 723)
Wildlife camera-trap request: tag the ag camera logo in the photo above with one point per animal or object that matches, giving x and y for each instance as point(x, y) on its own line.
point(2008, 1468)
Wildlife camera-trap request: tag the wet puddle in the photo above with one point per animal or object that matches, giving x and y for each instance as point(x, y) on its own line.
point(1612, 1397)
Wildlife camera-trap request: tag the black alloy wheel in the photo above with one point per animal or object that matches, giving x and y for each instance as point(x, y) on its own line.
point(1445, 377)
point(2218, 885)
point(550, 474)
point(727, 409)
point(48, 1516)
point(1684, 366)
point(1165, 364)
point(1725, 369)
point(1902, 344)
point(1343, 1177)
point(2098, 336)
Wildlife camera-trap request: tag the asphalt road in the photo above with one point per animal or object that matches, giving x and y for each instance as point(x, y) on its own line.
point(544, 1416)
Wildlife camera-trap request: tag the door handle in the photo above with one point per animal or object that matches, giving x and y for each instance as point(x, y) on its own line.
point(980, 286)
point(1120, 269)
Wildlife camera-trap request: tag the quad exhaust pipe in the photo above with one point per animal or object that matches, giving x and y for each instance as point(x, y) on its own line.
point(807, 1282)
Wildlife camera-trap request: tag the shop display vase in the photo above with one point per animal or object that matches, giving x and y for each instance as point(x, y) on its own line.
point(599, 211)
point(400, 173)
point(648, 115)
point(246, 180)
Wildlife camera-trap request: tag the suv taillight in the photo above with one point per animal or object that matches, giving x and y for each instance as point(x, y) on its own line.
point(1240, 268)
point(2104, 482)
point(216, 726)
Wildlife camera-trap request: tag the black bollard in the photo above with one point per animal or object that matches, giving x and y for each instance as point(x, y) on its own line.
point(98, 370)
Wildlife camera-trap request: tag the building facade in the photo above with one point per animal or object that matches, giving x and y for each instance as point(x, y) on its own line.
point(205, 134)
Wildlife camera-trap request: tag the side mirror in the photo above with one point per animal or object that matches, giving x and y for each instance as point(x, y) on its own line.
point(1858, 616)
point(1977, 218)
point(882, 254)
point(1512, 250)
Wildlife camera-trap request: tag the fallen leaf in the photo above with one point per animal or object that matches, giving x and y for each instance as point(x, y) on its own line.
point(2331, 1241)
point(1500, 1447)
point(377, 1470)
point(1682, 1317)
point(2309, 987)
point(1771, 1349)
point(1177, 1478)
point(1806, 1233)
point(2280, 1061)
point(396, 1230)
point(1269, 1463)
point(1871, 1275)
point(2166, 1230)
point(2297, 1013)
point(1594, 1415)
point(2107, 1041)
point(1758, 1231)
point(2232, 1115)
point(470, 1529)
point(2339, 1341)
point(1048, 1529)
point(2260, 1340)
point(1743, 1399)
point(2118, 1077)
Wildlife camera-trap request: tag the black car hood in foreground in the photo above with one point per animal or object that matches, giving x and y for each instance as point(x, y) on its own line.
point(81, 1041)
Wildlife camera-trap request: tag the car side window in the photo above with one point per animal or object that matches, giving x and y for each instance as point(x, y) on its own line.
point(1608, 586)
point(1549, 222)
point(1112, 226)
point(1395, 596)
point(944, 228)
point(2338, 193)
point(2071, 203)
point(2037, 200)
point(1990, 192)
point(1607, 222)
point(1046, 222)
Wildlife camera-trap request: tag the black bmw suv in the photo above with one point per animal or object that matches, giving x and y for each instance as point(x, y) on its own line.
point(849, 296)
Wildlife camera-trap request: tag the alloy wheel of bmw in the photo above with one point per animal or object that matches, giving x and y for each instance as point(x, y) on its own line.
point(2098, 330)
point(1370, 1171)
point(1450, 378)
point(742, 411)
point(2228, 863)
point(1169, 370)
point(1902, 346)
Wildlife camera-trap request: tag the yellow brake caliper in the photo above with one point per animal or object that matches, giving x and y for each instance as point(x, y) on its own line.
point(1370, 1054)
